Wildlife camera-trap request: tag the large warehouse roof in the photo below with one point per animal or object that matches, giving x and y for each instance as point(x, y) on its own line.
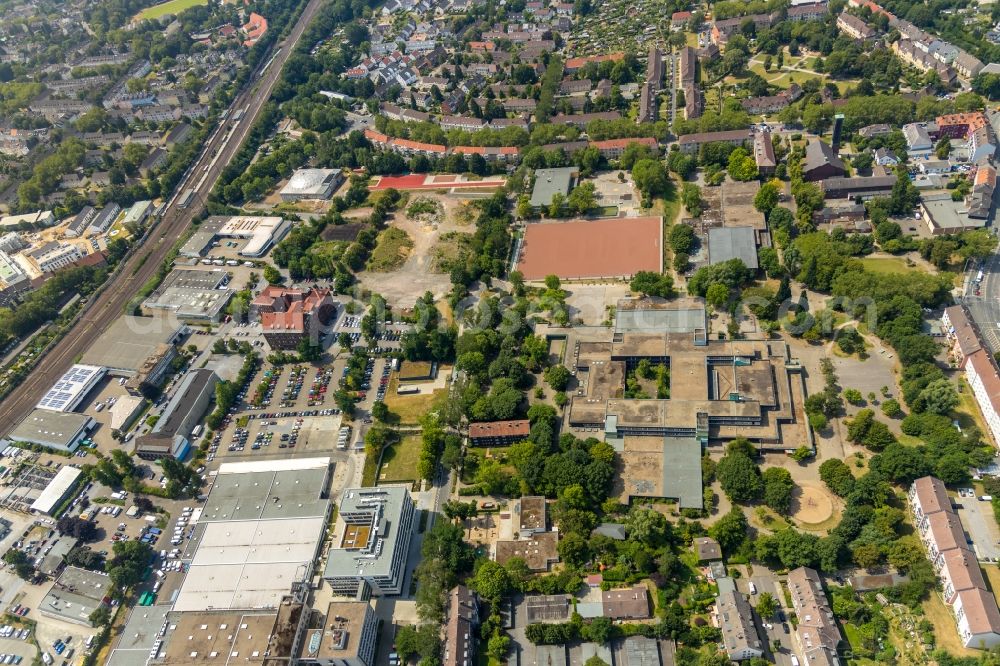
point(260, 531)
point(58, 430)
point(71, 388)
point(129, 341)
point(56, 490)
point(249, 564)
point(725, 243)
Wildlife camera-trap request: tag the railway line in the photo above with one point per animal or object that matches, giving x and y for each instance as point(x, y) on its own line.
point(146, 258)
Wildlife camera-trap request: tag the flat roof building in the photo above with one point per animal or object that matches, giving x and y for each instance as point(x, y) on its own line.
point(371, 540)
point(70, 389)
point(312, 184)
point(549, 182)
point(942, 215)
point(62, 431)
point(725, 243)
point(169, 437)
point(707, 549)
point(75, 595)
point(531, 515)
point(639, 651)
point(258, 535)
point(57, 490)
point(539, 551)
point(192, 295)
point(347, 637)
point(218, 638)
point(260, 233)
point(139, 635)
point(124, 346)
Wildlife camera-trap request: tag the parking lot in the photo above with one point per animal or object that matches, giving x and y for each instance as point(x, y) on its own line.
point(980, 526)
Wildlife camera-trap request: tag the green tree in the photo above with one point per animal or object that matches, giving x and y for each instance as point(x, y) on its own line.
point(272, 275)
point(717, 295)
point(558, 377)
point(650, 177)
point(891, 408)
point(767, 196)
point(741, 166)
point(100, 617)
point(651, 283)
point(730, 530)
point(778, 488)
point(491, 581)
point(766, 605)
point(582, 198)
point(691, 198)
point(740, 477)
point(681, 238)
point(853, 396)
point(939, 397)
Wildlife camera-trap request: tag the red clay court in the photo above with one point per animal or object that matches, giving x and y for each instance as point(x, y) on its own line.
point(612, 248)
point(419, 181)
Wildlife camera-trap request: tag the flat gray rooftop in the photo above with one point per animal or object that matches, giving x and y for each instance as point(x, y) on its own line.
point(129, 341)
point(549, 182)
point(661, 320)
point(48, 428)
point(140, 632)
point(682, 471)
point(266, 496)
point(725, 243)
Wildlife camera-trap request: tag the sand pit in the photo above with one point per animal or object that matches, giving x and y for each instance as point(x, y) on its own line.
point(811, 505)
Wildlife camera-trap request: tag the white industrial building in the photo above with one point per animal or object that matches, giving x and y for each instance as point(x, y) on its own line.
point(55, 493)
point(260, 233)
point(259, 535)
point(312, 184)
point(70, 389)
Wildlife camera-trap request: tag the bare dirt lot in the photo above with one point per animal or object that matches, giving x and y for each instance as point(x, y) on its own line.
point(418, 273)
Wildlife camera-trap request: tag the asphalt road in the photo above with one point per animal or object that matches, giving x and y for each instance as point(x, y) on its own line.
point(145, 260)
point(985, 308)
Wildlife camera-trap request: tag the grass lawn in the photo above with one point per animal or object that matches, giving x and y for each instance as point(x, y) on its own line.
point(887, 265)
point(945, 631)
point(399, 461)
point(169, 7)
point(409, 408)
point(391, 251)
point(992, 572)
point(967, 413)
point(369, 471)
point(670, 209)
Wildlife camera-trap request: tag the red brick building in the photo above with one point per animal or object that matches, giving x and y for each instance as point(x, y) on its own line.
point(288, 316)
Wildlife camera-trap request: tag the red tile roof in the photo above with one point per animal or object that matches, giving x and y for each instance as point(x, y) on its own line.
point(577, 63)
point(485, 429)
point(622, 143)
